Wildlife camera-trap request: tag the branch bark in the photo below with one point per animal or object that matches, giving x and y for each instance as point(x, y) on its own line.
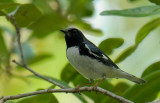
point(68, 90)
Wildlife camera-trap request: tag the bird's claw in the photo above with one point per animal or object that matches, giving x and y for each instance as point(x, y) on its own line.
point(77, 89)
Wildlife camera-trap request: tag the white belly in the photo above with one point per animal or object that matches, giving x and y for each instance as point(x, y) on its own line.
point(89, 68)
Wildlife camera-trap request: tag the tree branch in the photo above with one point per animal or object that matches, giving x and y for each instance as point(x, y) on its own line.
point(68, 90)
point(38, 75)
point(22, 56)
point(18, 39)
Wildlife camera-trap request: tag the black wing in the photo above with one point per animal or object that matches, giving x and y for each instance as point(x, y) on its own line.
point(94, 52)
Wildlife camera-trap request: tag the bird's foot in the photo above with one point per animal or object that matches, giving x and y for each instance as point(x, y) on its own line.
point(95, 86)
point(77, 89)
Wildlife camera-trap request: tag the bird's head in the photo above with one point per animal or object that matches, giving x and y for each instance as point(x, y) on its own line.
point(73, 36)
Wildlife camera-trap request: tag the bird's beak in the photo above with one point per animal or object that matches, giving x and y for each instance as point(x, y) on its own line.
point(64, 31)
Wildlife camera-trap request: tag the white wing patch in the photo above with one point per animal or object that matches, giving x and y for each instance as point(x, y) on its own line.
point(105, 57)
point(91, 51)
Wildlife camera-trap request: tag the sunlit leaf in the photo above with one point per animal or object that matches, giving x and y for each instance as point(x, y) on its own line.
point(146, 92)
point(41, 98)
point(110, 44)
point(155, 1)
point(68, 73)
point(134, 12)
point(27, 14)
point(152, 68)
point(126, 53)
point(146, 29)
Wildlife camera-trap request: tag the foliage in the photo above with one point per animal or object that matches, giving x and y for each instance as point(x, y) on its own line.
point(135, 12)
point(44, 18)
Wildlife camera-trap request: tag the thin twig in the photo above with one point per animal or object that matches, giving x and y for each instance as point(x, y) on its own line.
point(38, 75)
point(68, 90)
point(18, 39)
point(22, 56)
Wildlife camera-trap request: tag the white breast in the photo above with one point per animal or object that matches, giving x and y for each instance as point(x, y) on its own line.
point(88, 67)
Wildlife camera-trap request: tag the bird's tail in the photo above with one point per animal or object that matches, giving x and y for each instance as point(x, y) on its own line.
point(133, 78)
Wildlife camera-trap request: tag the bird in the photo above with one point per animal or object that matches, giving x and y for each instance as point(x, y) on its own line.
point(91, 62)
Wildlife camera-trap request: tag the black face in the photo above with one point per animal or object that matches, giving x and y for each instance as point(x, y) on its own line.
point(73, 36)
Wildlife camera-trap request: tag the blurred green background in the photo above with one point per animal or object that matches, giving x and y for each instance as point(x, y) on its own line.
point(126, 30)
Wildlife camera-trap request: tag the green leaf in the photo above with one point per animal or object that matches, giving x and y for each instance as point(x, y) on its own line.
point(126, 53)
point(155, 1)
point(146, 29)
point(8, 5)
point(26, 15)
point(152, 68)
point(146, 92)
point(41, 98)
point(9, 101)
point(134, 12)
point(39, 58)
point(110, 44)
point(6, 1)
point(79, 79)
point(142, 33)
point(80, 8)
point(2, 13)
point(4, 55)
point(68, 73)
point(47, 24)
point(43, 5)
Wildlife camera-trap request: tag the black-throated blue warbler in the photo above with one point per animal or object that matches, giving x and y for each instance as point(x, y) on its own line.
point(90, 61)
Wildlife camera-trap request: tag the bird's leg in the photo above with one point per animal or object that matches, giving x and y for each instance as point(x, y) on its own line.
point(96, 85)
point(80, 85)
